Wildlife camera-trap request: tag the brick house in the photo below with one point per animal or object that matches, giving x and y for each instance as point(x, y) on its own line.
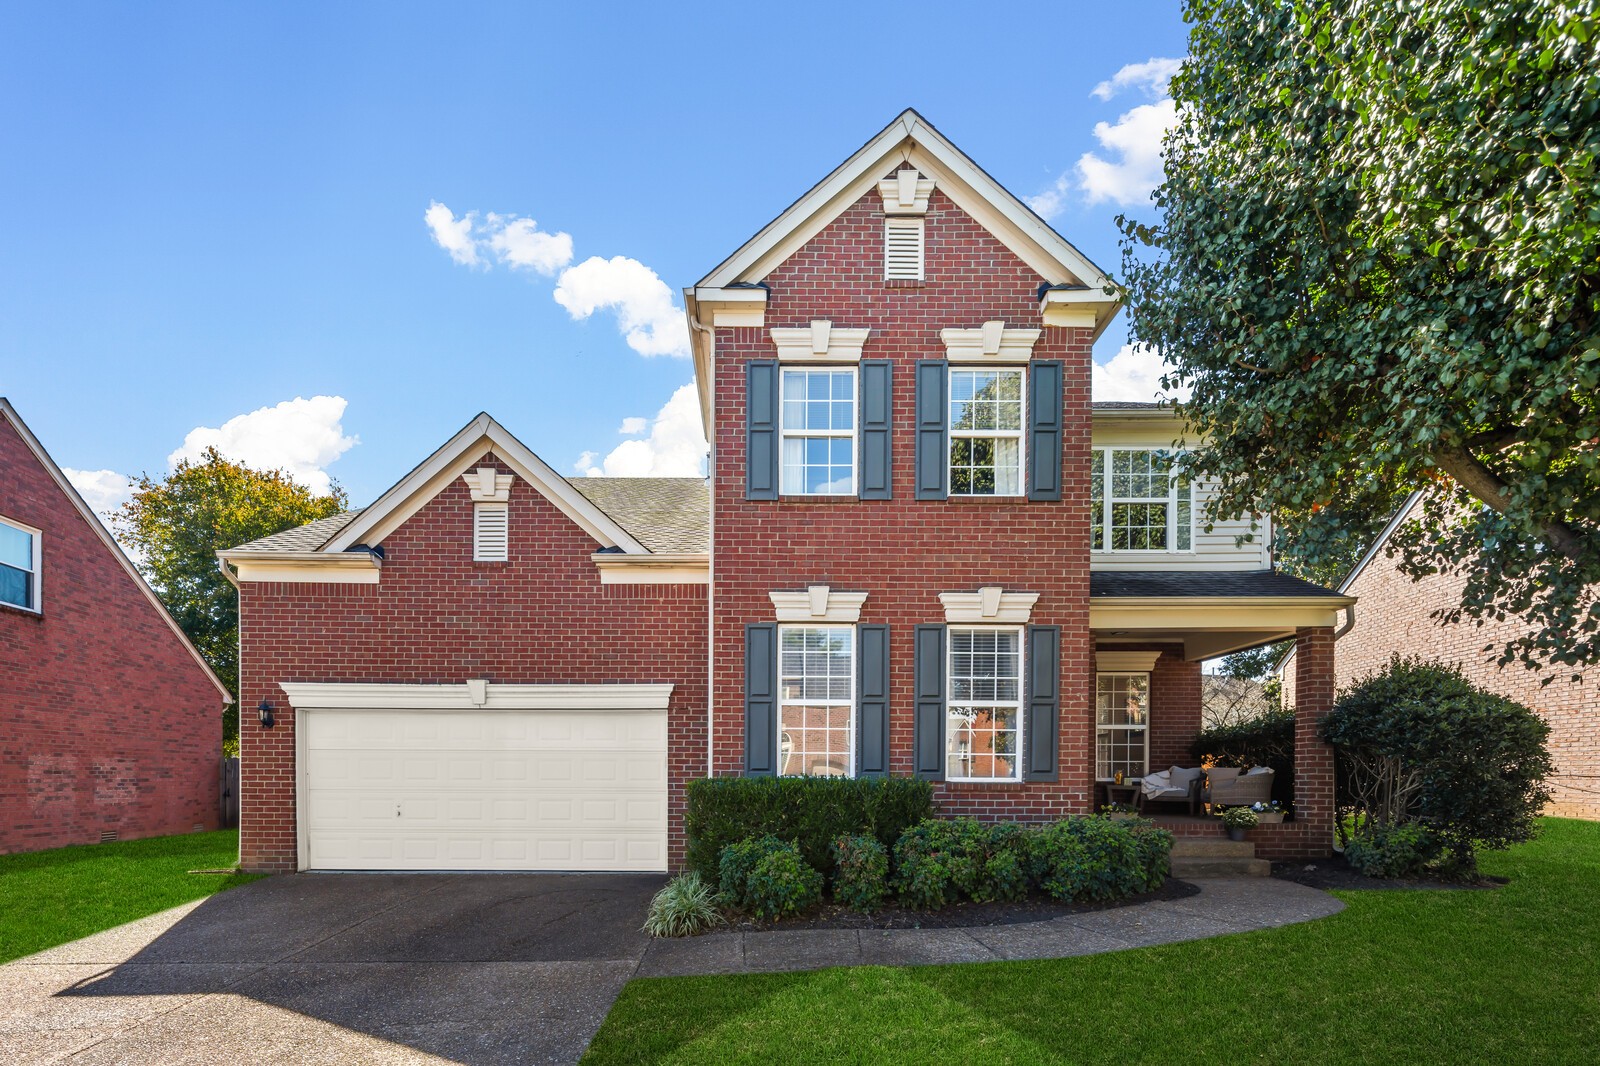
point(110, 722)
point(921, 550)
point(1398, 618)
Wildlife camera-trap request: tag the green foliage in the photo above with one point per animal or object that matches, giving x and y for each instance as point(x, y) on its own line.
point(685, 906)
point(1240, 818)
point(768, 878)
point(1392, 850)
point(1265, 740)
point(815, 811)
point(1375, 257)
point(1417, 741)
point(179, 522)
point(1097, 859)
point(861, 877)
point(942, 861)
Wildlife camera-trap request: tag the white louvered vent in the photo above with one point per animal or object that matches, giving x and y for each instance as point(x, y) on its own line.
point(490, 532)
point(902, 249)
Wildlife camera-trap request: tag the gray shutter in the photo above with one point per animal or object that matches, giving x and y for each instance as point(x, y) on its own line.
point(933, 447)
point(872, 700)
point(877, 396)
point(1041, 728)
point(761, 430)
point(760, 699)
point(928, 713)
point(1044, 430)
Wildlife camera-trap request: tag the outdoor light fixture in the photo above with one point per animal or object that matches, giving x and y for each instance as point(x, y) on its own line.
point(265, 707)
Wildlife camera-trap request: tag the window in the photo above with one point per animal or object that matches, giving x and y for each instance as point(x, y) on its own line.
point(985, 432)
point(19, 565)
point(1122, 719)
point(902, 249)
point(1151, 508)
point(816, 700)
point(491, 534)
point(819, 432)
point(984, 712)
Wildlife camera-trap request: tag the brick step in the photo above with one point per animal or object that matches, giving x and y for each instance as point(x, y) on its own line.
point(1212, 847)
point(1222, 867)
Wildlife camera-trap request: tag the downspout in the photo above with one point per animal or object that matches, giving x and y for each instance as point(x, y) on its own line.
point(222, 564)
point(1349, 622)
point(711, 555)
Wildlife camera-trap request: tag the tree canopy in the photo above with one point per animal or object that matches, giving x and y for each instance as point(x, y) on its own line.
point(1376, 260)
point(176, 524)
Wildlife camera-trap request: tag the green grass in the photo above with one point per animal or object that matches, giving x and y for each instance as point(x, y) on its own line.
point(1503, 975)
point(51, 897)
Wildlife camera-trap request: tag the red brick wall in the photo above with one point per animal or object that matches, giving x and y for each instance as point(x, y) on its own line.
point(1174, 710)
point(1313, 757)
point(904, 552)
point(437, 617)
point(106, 721)
point(1393, 616)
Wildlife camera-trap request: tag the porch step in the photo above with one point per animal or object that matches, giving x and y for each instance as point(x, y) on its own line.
point(1212, 848)
point(1216, 857)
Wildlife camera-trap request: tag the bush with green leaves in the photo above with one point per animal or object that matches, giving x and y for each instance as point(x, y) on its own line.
point(1098, 859)
point(813, 811)
point(861, 872)
point(1240, 818)
point(1418, 742)
point(1265, 740)
point(684, 907)
point(768, 878)
point(1393, 850)
point(940, 861)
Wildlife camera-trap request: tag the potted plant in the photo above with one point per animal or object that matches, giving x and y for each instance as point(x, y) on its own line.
point(1119, 812)
point(1238, 821)
point(1269, 813)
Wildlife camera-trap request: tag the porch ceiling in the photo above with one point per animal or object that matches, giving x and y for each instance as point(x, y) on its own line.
point(1208, 626)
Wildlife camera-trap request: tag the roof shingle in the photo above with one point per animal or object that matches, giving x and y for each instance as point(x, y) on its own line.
point(1171, 583)
point(306, 538)
point(665, 514)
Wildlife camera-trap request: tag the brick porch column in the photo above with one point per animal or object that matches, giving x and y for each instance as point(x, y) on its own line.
point(1313, 757)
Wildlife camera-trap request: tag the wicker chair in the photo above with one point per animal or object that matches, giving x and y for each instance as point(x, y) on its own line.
point(1227, 787)
point(1156, 788)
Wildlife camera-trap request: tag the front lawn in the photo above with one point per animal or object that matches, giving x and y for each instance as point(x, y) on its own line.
point(51, 897)
point(1496, 975)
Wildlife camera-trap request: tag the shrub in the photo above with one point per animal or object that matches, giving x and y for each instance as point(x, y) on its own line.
point(813, 811)
point(861, 877)
point(1392, 850)
point(1097, 859)
point(768, 878)
point(938, 862)
point(684, 907)
point(1265, 740)
point(1417, 741)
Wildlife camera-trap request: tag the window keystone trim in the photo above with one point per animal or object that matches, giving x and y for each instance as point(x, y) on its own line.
point(818, 603)
point(820, 342)
point(989, 605)
point(488, 486)
point(990, 343)
point(906, 193)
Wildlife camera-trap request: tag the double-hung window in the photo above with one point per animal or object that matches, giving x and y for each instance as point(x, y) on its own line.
point(1139, 502)
point(819, 432)
point(816, 701)
point(985, 432)
point(984, 709)
point(1122, 725)
point(19, 565)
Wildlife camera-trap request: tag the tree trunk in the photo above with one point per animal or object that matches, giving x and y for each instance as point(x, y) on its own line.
point(1484, 484)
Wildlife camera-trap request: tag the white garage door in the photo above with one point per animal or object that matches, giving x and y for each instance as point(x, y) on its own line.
point(420, 789)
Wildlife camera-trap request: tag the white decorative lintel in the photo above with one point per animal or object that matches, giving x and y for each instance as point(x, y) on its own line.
point(989, 605)
point(906, 193)
point(487, 486)
point(989, 343)
point(820, 342)
point(819, 603)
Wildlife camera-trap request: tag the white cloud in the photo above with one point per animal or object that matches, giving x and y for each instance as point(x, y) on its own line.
point(632, 427)
point(1132, 374)
point(300, 437)
point(453, 234)
point(676, 446)
point(1150, 77)
point(520, 244)
point(103, 490)
point(1134, 143)
point(1049, 204)
point(650, 322)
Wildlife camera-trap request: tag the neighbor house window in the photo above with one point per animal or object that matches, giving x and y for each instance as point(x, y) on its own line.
point(985, 432)
point(19, 565)
point(1138, 502)
point(819, 432)
point(816, 700)
point(1122, 725)
point(984, 711)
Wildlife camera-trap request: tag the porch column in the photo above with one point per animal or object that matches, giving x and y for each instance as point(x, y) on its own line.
point(1313, 757)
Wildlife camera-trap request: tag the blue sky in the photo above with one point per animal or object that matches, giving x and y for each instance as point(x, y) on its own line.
point(219, 209)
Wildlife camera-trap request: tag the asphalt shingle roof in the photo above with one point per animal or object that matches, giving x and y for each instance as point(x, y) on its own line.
point(1128, 405)
point(665, 514)
point(1159, 583)
point(306, 538)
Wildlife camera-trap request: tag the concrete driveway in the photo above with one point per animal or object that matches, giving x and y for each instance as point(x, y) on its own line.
point(340, 968)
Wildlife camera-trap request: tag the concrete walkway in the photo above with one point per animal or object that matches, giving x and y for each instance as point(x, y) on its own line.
point(511, 968)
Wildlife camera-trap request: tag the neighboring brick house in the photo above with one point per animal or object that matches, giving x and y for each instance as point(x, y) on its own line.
point(110, 723)
point(922, 550)
point(1397, 617)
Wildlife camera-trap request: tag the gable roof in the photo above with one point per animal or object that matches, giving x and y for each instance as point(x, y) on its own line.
point(10, 415)
point(665, 514)
point(306, 538)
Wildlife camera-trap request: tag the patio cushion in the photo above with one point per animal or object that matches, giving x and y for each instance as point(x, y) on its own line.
point(1156, 783)
point(1257, 770)
point(1219, 774)
point(1182, 778)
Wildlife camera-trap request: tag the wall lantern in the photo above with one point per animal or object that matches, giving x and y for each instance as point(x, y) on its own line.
point(265, 707)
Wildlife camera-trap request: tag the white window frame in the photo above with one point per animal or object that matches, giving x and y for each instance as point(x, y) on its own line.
point(855, 722)
point(1020, 434)
point(37, 584)
point(1105, 458)
point(785, 432)
point(1105, 727)
point(950, 703)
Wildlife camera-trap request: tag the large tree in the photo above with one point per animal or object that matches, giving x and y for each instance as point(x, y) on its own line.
point(1375, 257)
point(177, 523)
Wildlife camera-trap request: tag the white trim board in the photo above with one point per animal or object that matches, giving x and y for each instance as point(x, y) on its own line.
point(475, 696)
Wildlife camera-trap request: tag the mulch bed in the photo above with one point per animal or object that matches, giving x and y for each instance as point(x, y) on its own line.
point(957, 916)
point(1337, 873)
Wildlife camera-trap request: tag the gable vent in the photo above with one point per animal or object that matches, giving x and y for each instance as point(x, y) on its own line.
point(902, 249)
point(490, 532)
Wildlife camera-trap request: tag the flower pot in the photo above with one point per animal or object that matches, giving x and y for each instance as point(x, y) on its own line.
point(1270, 818)
point(1121, 816)
point(1237, 834)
